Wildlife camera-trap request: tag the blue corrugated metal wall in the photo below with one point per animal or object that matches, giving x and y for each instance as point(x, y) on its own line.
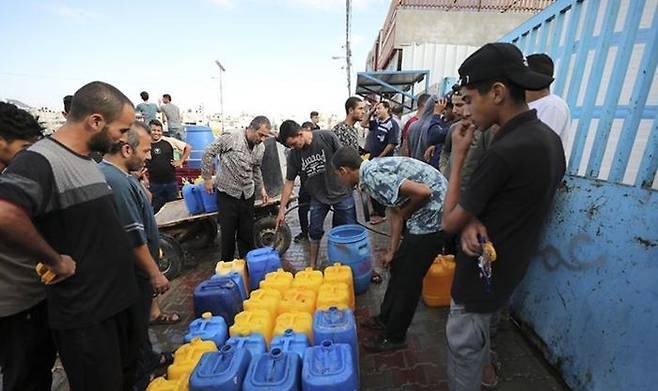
point(591, 293)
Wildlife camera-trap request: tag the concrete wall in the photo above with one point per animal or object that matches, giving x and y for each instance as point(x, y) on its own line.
point(456, 28)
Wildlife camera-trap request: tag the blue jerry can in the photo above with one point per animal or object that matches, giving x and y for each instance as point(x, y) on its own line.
point(329, 367)
point(221, 371)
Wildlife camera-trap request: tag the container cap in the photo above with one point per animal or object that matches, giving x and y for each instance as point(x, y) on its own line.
point(206, 315)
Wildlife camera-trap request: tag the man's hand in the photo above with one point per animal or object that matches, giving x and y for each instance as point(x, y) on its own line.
point(429, 152)
point(63, 270)
point(462, 137)
point(177, 163)
point(159, 283)
point(207, 183)
point(263, 196)
point(388, 258)
point(280, 218)
point(440, 105)
point(470, 237)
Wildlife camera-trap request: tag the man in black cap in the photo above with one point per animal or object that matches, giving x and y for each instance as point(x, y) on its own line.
point(551, 109)
point(507, 199)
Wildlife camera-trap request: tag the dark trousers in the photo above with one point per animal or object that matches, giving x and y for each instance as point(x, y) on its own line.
point(304, 201)
point(147, 360)
point(377, 208)
point(101, 356)
point(27, 351)
point(162, 193)
point(236, 221)
point(409, 266)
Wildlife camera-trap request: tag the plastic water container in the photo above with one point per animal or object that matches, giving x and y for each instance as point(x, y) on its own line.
point(221, 371)
point(208, 328)
point(297, 299)
point(438, 281)
point(236, 265)
point(162, 384)
point(199, 137)
point(349, 245)
point(249, 322)
point(329, 367)
point(254, 343)
point(264, 299)
point(219, 297)
point(337, 273)
point(279, 280)
point(299, 322)
point(192, 199)
point(334, 295)
point(187, 357)
point(260, 262)
point(277, 370)
point(308, 279)
point(208, 201)
point(237, 279)
point(290, 341)
point(338, 326)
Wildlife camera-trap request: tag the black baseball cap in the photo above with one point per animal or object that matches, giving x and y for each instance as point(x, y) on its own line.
point(541, 63)
point(501, 60)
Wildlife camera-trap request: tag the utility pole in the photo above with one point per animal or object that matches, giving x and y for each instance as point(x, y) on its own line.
point(221, 94)
point(348, 50)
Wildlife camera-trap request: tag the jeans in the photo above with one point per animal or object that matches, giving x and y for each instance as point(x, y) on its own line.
point(236, 221)
point(27, 350)
point(163, 193)
point(468, 347)
point(344, 213)
point(409, 266)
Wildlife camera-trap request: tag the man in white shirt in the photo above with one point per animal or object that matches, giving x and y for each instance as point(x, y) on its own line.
point(551, 109)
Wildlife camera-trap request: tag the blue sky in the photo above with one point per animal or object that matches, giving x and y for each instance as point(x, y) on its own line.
point(277, 52)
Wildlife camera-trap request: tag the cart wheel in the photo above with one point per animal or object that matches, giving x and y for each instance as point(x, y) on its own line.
point(264, 234)
point(171, 257)
point(201, 234)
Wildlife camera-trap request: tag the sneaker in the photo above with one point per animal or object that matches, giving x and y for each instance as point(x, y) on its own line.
point(382, 344)
point(373, 323)
point(302, 237)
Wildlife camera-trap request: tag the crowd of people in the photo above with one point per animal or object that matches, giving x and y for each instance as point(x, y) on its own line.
point(474, 166)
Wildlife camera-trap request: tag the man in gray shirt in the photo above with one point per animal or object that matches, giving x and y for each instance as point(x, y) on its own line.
point(27, 351)
point(172, 118)
point(240, 157)
point(310, 159)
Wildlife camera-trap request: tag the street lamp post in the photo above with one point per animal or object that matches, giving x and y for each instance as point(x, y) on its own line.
point(221, 93)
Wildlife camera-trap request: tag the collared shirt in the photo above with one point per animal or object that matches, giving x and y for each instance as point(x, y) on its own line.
point(347, 135)
point(239, 173)
point(510, 192)
point(382, 178)
point(380, 135)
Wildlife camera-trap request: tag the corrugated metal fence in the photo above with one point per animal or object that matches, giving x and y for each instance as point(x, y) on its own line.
point(591, 290)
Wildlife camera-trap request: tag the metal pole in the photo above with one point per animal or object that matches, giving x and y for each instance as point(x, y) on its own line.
point(221, 101)
point(221, 93)
point(348, 50)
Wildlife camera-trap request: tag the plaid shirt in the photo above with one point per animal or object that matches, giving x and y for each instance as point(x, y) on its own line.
point(239, 166)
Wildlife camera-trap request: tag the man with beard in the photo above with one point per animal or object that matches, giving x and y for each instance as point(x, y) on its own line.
point(355, 110)
point(238, 182)
point(136, 216)
point(56, 207)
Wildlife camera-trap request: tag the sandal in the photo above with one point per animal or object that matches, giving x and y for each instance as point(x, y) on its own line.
point(376, 278)
point(166, 319)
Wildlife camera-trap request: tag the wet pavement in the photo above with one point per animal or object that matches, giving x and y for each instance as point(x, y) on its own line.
point(421, 366)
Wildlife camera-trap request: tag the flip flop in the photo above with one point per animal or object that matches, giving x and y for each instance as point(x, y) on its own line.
point(166, 318)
